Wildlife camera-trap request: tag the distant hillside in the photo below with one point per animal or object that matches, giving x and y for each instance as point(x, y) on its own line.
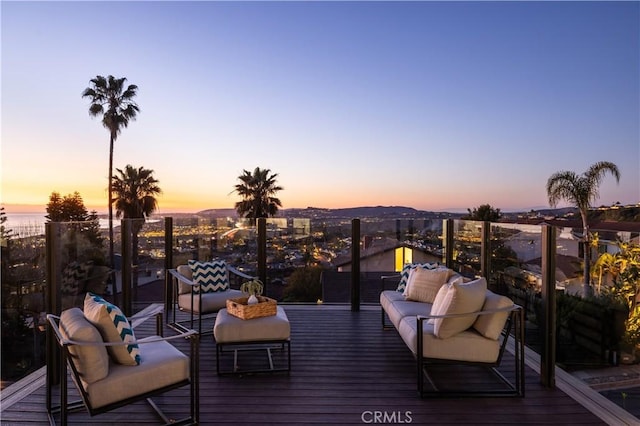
point(623, 214)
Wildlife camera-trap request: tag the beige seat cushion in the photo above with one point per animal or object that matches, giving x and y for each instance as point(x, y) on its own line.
point(423, 284)
point(229, 329)
point(491, 325)
point(161, 365)
point(211, 302)
point(468, 345)
point(460, 299)
point(397, 307)
point(92, 362)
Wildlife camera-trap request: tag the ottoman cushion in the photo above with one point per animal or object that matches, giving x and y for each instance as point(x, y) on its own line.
point(229, 329)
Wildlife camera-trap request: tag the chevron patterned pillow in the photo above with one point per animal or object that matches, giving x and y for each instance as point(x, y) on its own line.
point(406, 269)
point(211, 276)
point(114, 327)
point(74, 277)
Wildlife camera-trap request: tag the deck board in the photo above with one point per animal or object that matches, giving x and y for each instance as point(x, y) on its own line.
point(343, 365)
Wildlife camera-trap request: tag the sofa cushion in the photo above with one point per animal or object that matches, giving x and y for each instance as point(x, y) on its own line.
point(423, 284)
point(460, 299)
point(467, 345)
point(491, 325)
point(92, 362)
point(161, 365)
point(397, 307)
point(114, 327)
point(406, 270)
point(209, 276)
point(438, 302)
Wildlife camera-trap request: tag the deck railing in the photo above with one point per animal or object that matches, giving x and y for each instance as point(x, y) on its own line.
point(336, 260)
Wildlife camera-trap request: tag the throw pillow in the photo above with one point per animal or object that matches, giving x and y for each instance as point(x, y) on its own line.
point(423, 284)
point(210, 276)
point(460, 299)
point(437, 307)
point(74, 277)
point(406, 270)
point(114, 327)
point(92, 362)
point(491, 325)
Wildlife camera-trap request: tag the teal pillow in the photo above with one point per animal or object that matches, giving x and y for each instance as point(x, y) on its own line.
point(114, 327)
point(210, 276)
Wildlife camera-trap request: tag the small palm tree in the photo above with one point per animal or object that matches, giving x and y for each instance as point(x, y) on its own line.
point(135, 191)
point(111, 100)
point(258, 190)
point(581, 191)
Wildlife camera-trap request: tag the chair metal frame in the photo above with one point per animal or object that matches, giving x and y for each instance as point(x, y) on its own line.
point(514, 322)
point(175, 279)
point(66, 363)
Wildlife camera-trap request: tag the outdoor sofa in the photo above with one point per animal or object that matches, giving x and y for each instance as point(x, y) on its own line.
point(444, 318)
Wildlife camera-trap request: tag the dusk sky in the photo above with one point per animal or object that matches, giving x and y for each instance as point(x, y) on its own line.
point(432, 105)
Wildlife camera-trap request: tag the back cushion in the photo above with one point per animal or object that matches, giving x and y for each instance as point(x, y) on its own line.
point(114, 327)
point(185, 271)
point(423, 284)
point(460, 299)
point(406, 270)
point(211, 276)
point(92, 362)
point(491, 325)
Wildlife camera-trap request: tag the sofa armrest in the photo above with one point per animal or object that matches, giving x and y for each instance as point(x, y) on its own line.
point(384, 279)
point(54, 321)
point(476, 313)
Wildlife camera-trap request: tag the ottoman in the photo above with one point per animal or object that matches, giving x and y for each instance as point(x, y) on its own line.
point(264, 333)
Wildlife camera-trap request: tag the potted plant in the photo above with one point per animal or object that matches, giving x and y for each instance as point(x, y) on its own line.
point(254, 289)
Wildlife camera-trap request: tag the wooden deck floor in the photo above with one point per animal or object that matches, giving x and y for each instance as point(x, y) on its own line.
point(345, 368)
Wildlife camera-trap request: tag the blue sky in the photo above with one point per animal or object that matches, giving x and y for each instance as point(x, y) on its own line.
point(432, 105)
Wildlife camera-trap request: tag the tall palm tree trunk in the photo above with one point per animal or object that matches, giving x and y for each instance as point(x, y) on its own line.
point(111, 244)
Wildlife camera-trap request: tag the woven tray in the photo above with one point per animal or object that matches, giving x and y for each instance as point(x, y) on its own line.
point(238, 307)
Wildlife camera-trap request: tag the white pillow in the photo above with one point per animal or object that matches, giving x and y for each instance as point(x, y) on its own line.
point(437, 306)
point(491, 325)
point(423, 284)
point(460, 299)
point(92, 362)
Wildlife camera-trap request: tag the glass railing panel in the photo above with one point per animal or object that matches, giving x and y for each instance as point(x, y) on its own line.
point(23, 283)
point(467, 247)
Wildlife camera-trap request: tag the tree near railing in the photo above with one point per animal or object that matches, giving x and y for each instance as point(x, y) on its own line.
point(581, 191)
point(624, 269)
point(111, 100)
point(258, 190)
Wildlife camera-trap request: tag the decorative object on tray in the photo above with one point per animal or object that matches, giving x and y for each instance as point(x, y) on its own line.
point(254, 289)
point(240, 308)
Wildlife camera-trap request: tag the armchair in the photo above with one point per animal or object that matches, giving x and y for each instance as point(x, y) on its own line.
point(202, 288)
point(105, 384)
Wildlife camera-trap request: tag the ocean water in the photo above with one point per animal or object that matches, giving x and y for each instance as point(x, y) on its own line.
point(30, 224)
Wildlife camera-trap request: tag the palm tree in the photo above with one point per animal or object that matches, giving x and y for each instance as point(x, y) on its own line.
point(111, 100)
point(135, 191)
point(581, 191)
point(258, 190)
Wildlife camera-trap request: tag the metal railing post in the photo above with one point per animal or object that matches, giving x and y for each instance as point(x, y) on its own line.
point(168, 264)
point(355, 265)
point(485, 250)
point(548, 352)
point(52, 302)
point(447, 242)
point(125, 226)
point(262, 252)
